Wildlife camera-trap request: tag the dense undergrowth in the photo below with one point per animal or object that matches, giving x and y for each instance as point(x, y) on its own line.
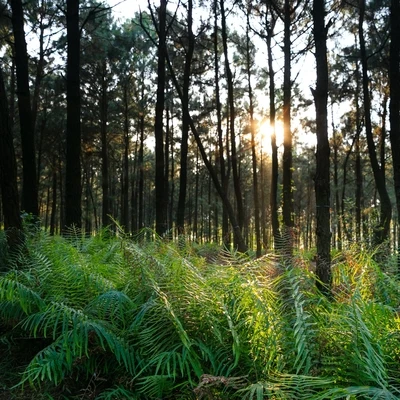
point(106, 318)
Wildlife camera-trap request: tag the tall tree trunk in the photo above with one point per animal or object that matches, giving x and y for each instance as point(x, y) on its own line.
point(166, 172)
point(141, 169)
point(196, 198)
point(322, 176)
point(125, 194)
point(8, 174)
point(274, 148)
point(171, 180)
point(287, 190)
point(249, 63)
point(160, 178)
point(180, 216)
point(54, 201)
point(29, 184)
point(39, 67)
point(382, 139)
point(221, 146)
point(105, 178)
point(382, 230)
point(73, 180)
point(394, 108)
point(232, 115)
point(338, 239)
point(359, 176)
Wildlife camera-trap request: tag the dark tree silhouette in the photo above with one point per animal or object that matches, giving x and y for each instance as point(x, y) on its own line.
point(29, 184)
point(73, 185)
point(8, 173)
point(322, 176)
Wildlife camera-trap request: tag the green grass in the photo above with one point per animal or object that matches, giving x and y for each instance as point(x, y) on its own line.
point(105, 318)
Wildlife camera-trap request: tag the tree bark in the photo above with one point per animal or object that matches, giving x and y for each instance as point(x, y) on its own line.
point(73, 182)
point(249, 63)
point(394, 107)
point(105, 178)
point(322, 176)
point(381, 232)
point(125, 194)
point(8, 174)
point(274, 148)
point(287, 159)
point(221, 157)
point(29, 184)
point(160, 178)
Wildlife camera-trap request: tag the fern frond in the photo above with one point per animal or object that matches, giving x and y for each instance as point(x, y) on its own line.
point(49, 364)
point(77, 333)
point(113, 306)
point(118, 392)
point(295, 304)
point(11, 289)
point(155, 386)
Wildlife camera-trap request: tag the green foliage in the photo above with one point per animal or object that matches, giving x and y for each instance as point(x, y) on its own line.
point(107, 318)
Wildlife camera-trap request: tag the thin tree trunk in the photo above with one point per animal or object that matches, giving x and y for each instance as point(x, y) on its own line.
point(287, 163)
point(141, 172)
point(274, 148)
point(39, 67)
point(394, 107)
point(196, 198)
point(54, 202)
point(221, 156)
point(359, 176)
point(105, 178)
point(125, 194)
point(180, 217)
point(249, 63)
point(166, 172)
point(338, 221)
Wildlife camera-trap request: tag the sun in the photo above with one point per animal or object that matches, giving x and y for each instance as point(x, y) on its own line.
point(265, 133)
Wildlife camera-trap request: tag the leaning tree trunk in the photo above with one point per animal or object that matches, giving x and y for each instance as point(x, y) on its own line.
point(322, 176)
point(29, 183)
point(180, 215)
point(73, 182)
point(237, 232)
point(8, 174)
point(382, 230)
point(232, 115)
point(394, 76)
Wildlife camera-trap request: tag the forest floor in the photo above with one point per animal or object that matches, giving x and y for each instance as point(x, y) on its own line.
point(106, 318)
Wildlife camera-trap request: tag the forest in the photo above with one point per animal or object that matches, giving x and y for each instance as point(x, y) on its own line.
point(200, 199)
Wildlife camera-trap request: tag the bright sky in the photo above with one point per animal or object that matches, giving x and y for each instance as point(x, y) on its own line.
point(126, 8)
